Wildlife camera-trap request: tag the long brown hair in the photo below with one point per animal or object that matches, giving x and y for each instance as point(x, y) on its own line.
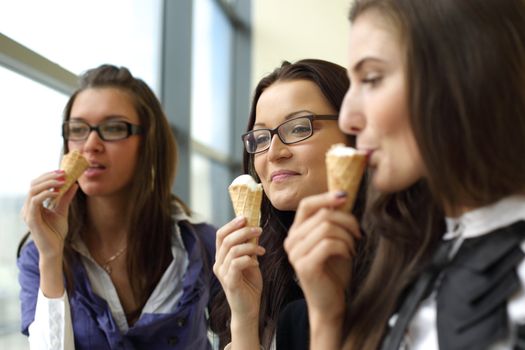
point(465, 68)
point(151, 203)
point(277, 273)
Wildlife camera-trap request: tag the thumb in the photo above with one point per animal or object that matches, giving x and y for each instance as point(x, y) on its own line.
point(66, 199)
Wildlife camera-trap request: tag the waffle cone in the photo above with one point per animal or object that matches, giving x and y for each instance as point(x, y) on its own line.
point(344, 173)
point(247, 202)
point(73, 164)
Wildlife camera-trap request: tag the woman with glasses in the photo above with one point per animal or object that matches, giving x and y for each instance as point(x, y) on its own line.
point(118, 263)
point(293, 121)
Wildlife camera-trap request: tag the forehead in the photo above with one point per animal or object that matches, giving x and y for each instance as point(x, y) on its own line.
point(287, 97)
point(373, 34)
point(101, 103)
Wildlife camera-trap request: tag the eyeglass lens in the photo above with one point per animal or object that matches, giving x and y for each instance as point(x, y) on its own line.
point(108, 131)
point(289, 132)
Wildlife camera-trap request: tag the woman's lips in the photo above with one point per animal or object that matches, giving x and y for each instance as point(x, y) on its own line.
point(369, 152)
point(94, 170)
point(372, 161)
point(282, 175)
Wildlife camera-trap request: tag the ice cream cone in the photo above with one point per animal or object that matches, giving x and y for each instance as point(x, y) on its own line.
point(345, 167)
point(246, 197)
point(73, 164)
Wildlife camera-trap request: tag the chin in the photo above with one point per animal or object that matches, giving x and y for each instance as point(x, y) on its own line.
point(387, 185)
point(285, 205)
point(91, 190)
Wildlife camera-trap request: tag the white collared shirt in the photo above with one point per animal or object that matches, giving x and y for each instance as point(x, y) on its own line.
point(422, 330)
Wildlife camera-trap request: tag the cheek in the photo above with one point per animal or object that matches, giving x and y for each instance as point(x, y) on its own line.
point(128, 159)
point(73, 146)
point(317, 173)
point(259, 163)
point(388, 123)
point(344, 116)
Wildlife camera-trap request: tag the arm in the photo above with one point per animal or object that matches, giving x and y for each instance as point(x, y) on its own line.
point(48, 228)
point(41, 268)
point(46, 321)
point(320, 247)
point(238, 271)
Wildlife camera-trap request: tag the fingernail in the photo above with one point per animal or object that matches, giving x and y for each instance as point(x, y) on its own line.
point(59, 171)
point(256, 230)
point(340, 194)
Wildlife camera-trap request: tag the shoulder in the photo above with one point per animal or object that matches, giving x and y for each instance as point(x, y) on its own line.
point(205, 230)
point(206, 234)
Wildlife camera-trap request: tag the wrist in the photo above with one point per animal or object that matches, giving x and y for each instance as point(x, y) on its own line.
point(245, 324)
point(50, 254)
point(50, 262)
point(323, 317)
point(51, 277)
point(245, 334)
point(325, 332)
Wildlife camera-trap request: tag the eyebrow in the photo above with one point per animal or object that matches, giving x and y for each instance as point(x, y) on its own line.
point(359, 65)
point(287, 117)
point(111, 117)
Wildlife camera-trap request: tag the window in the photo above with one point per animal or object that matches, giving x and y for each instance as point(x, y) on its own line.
point(30, 144)
point(77, 35)
point(211, 76)
point(219, 102)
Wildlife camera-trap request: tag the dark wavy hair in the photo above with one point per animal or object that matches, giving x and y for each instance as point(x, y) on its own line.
point(151, 203)
point(465, 73)
point(277, 273)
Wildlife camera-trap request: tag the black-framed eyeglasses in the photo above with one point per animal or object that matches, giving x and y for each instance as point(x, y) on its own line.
point(291, 131)
point(110, 130)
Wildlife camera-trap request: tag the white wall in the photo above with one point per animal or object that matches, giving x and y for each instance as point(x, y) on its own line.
point(296, 29)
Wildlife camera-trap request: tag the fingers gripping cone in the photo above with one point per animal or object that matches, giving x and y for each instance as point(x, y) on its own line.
point(73, 164)
point(345, 167)
point(246, 197)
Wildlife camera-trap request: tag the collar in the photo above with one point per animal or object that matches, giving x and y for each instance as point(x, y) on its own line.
point(486, 219)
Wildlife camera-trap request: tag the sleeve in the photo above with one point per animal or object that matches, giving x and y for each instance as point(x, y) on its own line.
point(44, 320)
point(29, 280)
point(52, 327)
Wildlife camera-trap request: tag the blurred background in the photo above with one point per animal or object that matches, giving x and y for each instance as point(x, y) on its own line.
point(201, 57)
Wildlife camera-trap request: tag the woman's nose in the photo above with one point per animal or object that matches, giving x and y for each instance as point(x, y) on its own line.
point(93, 142)
point(351, 118)
point(278, 149)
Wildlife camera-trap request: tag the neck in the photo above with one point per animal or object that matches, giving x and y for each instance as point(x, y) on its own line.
point(107, 224)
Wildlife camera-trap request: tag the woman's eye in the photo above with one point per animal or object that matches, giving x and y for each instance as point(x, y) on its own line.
point(76, 129)
point(300, 129)
point(372, 80)
point(261, 139)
